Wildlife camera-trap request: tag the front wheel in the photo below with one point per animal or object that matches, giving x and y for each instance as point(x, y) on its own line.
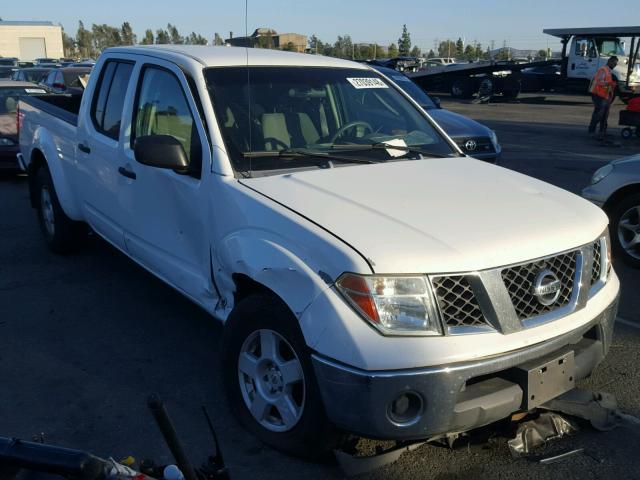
point(270, 381)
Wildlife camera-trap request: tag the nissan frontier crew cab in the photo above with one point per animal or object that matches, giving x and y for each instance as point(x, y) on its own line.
point(371, 278)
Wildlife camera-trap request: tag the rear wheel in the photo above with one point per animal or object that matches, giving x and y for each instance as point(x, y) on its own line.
point(62, 234)
point(626, 133)
point(270, 381)
point(462, 88)
point(625, 229)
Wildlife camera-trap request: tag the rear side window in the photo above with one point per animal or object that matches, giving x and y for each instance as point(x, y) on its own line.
point(106, 111)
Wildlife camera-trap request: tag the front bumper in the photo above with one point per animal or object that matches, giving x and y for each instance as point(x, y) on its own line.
point(455, 398)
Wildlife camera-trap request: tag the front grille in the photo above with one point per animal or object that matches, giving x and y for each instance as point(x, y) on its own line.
point(458, 304)
point(520, 279)
point(483, 145)
point(597, 265)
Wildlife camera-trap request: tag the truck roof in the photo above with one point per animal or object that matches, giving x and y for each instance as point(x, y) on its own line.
point(210, 56)
point(594, 32)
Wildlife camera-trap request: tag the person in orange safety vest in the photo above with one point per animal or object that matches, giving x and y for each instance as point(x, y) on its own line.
point(602, 88)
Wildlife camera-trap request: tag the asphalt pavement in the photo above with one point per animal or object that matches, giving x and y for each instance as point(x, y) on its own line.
point(85, 338)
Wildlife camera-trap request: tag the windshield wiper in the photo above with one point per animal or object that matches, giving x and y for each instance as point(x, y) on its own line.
point(386, 146)
point(300, 152)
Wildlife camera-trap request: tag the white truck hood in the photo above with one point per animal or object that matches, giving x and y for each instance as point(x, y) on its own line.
point(438, 215)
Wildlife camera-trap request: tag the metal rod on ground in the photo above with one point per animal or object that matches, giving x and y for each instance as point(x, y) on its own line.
point(168, 432)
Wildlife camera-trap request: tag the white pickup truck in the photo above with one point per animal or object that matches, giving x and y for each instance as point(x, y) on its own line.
point(371, 278)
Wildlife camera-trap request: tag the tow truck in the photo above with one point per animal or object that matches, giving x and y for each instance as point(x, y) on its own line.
point(584, 50)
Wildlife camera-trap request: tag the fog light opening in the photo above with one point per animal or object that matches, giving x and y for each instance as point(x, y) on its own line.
point(406, 408)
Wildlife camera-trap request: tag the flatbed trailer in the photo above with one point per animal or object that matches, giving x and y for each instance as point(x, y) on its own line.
point(584, 50)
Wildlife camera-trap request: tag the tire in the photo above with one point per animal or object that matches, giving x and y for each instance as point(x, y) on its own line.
point(61, 234)
point(263, 319)
point(626, 133)
point(625, 220)
point(462, 88)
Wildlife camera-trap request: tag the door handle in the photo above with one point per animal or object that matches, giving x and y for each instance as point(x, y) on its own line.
point(127, 173)
point(84, 148)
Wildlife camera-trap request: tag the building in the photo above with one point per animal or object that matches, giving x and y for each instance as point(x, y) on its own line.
point(30, 40)
point(269, 38)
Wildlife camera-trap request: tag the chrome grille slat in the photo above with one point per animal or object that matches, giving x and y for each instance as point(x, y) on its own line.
point(596, 271)
point(458, 304)
point(519, 281)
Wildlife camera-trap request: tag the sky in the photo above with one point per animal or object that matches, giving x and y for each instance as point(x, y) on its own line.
point(516, 23)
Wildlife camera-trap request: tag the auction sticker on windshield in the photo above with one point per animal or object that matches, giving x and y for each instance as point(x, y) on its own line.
point(367, 83)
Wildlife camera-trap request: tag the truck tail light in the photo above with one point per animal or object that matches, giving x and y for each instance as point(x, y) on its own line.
point(19, 119)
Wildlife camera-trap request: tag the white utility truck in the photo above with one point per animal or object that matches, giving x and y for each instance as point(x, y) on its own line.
point(584, 50)
point(371, 278)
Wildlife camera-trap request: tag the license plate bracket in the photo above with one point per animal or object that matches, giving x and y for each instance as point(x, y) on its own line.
point(544, 379)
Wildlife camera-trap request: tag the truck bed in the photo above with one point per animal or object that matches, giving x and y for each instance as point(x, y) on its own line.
point(64, 107)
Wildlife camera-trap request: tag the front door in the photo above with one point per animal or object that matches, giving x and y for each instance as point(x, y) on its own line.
point(584, 63)
point(169, 232)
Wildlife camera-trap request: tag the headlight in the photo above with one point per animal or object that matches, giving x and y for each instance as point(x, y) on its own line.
point(601, 173)
point(393, 305)
point(494, 139)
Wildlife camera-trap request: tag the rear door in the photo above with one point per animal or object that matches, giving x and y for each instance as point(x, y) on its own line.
point(101, 178)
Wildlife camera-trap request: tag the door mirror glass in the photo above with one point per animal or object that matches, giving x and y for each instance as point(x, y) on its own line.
point(161, 151)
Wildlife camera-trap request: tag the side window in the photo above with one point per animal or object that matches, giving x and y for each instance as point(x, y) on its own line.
point(162, 109)
point(106, 110)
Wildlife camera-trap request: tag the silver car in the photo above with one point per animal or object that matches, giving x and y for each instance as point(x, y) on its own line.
point(616, 188)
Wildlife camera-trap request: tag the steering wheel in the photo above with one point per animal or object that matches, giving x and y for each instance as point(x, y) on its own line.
point(275, 142)
point(349, 126)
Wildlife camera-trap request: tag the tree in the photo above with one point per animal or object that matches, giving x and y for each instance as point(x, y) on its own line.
point(84, 42)
point(392, 51)
point(289, 47)
point(105, 36)
point(174, 35)
point(69, 45)
point(195, 39)
point(459, 47)
point(415, 52)
point(469, 52)
point(127, 35)
point(404, 42)
point(217, 39)
point(315, 45)
point(447, 48)
point(265, 41)
point(162, 37)
point(431, 54)
point(148, 37)
point(343, 47)
point(542, 53)
point(479, 54)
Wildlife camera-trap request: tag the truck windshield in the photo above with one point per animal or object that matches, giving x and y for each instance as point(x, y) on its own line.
point(265, 112)
point(608, 47)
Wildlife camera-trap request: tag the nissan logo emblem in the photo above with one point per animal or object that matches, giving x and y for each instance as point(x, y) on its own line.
point(546, 287)
point(470, 145)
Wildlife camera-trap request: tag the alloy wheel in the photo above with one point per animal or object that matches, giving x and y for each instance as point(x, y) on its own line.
point(629, 232)
point(271, 380)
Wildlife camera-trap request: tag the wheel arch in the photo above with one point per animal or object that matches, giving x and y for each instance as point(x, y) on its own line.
point(617, 196)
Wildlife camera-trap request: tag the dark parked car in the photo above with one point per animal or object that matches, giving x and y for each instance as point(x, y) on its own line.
point(66, 80)
point(534, 79)
point(10, 92)
point(34, 75)
point(472, 137)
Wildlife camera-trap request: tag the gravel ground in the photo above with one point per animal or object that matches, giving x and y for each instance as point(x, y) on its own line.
point(85, 338)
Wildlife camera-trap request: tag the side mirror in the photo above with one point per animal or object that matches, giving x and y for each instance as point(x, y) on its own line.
point(436, 100)
point(161, 151)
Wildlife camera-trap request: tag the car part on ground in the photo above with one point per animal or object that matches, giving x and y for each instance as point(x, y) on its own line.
point(534, 433)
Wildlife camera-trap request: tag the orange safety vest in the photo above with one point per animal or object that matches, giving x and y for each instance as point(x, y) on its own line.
point(602, 83)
